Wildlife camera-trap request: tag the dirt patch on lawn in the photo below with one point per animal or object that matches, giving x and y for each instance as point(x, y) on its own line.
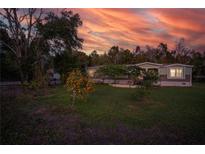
point(69, 129)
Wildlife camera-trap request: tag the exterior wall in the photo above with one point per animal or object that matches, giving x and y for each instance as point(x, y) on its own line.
point(188, 70)
point(175, 83)
point(165, 80)
point(162, 71)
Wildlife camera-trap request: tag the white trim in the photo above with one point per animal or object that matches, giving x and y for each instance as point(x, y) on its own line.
point(175, 84)
point(123, 86)
point(190, 78)
point(149, 63)
point(177, 64)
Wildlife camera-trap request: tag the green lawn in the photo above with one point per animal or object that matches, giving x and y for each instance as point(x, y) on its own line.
point(109, 116)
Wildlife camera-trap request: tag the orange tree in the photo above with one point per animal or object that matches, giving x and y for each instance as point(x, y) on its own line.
point(79, 84)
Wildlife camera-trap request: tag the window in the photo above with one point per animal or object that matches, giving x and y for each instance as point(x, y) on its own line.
point(176, 72)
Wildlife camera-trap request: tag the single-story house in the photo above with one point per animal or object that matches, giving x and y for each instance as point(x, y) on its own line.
point(169, 74)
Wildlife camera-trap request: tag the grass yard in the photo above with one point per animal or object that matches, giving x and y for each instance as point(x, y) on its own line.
point(109, 116)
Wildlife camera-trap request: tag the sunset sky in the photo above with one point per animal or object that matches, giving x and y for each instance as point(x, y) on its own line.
point(103, 28)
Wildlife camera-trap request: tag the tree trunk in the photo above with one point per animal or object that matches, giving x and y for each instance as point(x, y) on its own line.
point(73, 98)
point(22, 77)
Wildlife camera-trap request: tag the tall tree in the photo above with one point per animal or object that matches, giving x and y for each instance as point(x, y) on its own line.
point(60, 32)
point(20, 24)
point(36, 34)
point(94, 58)
point(113, 54)
point(125, 56)
point(198, 61)
point(182, 52)
point(165, 56)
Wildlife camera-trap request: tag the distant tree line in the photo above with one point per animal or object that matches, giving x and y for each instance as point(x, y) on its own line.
point(160, 54)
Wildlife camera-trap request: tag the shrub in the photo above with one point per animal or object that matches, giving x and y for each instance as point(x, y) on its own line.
point(149, 78)
point(80, 85)
point(133, 72)
point(111, 70)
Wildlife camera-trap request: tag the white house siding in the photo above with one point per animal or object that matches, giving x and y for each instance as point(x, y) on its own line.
point(175, 83)
point(109, 81)
point(185, 82)
point(188, 70)
point(162, 71)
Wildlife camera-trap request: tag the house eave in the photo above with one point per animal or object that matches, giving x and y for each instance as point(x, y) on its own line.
point(149, 63)
point(177, 64)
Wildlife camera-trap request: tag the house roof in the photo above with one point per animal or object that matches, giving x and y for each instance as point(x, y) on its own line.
point(177, 64)
point(163, 65)
point(149, 63)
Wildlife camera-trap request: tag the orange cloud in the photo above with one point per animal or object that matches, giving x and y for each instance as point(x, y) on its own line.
point(113, 27)
point(103, 28)
point(187, 19)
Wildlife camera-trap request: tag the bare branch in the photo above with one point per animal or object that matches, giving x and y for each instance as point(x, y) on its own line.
point(13, 51)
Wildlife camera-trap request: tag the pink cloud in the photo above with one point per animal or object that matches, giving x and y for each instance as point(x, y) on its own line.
point(103, 28)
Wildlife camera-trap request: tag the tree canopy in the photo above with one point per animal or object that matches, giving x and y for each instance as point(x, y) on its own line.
point(36, 38)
